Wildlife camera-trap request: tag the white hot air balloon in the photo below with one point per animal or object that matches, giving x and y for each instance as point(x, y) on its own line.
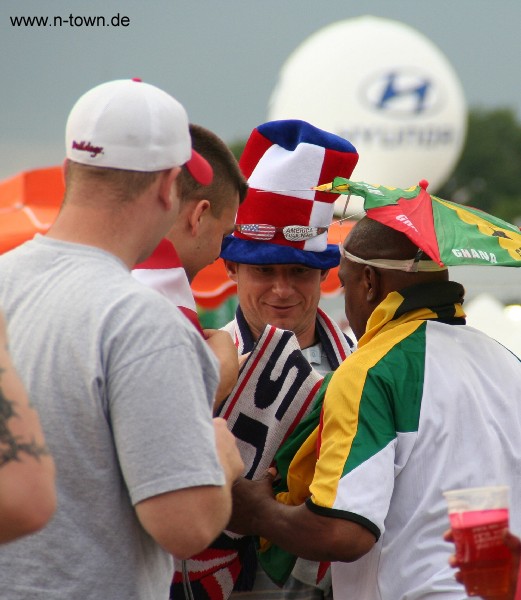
point(386, 88)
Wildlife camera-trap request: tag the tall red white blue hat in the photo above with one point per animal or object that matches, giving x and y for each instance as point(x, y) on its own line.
point(282, 220)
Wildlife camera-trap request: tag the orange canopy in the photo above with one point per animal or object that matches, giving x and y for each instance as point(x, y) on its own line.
point(29, 203)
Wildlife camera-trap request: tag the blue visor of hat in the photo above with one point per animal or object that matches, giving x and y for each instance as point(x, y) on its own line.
point(266, 253)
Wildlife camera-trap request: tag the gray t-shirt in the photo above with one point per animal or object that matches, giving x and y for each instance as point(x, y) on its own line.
point(124, 387)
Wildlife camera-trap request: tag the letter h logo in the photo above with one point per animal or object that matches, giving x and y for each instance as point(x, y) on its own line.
point(393, 90)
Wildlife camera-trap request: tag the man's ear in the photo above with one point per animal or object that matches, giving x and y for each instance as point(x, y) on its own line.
point(231, 269)
point(373, 284)
point(323, 274)
point(167, 191)
point(200, 208)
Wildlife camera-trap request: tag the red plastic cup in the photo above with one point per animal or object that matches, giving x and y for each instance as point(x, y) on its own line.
point(478, 517)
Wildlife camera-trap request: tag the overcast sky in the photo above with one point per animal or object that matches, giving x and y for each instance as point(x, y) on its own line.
point(220, 58)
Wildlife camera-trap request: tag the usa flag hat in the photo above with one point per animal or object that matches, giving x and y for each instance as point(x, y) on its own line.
point(282, 220)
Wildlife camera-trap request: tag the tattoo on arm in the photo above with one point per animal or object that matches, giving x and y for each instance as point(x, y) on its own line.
point(12, 446)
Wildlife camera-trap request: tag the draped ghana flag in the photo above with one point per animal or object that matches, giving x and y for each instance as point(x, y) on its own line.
point(451, 234)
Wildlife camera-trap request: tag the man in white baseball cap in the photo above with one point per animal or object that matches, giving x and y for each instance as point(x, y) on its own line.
point(132, 125)
point(123, 383)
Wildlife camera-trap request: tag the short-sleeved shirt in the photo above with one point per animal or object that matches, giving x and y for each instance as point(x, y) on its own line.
point(124, 387)
point(421, 407)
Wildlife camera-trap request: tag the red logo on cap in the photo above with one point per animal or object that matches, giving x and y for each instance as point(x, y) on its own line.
point(87, 147)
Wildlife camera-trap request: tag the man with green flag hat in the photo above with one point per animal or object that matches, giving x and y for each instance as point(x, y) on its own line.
point(424, 405)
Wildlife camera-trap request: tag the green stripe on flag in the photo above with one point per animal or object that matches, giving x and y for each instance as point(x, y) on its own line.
point(467, 236)
point(375, 195)
point(278, 563)
point(389, 405)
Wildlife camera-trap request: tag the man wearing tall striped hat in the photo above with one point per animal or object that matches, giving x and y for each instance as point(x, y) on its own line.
point(278, 255)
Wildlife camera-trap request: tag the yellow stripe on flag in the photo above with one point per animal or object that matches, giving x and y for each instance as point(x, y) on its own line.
point(342, 405)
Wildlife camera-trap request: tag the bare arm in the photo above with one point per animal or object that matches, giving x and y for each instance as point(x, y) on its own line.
point(296, 529)
point(27, 492)
point(223, 347)
point(186, 521)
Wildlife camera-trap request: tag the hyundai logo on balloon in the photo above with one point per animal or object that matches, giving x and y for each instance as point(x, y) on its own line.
point(385, 87)
point(402, 96)
point(402, 93)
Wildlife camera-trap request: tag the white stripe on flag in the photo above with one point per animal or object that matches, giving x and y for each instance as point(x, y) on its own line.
point(273, 173)
point(172, 283)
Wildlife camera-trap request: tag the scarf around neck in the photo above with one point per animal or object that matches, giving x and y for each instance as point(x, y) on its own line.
point(437, 301)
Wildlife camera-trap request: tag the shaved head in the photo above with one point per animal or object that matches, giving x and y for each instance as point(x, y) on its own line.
point(370, 239)
point(366, 286)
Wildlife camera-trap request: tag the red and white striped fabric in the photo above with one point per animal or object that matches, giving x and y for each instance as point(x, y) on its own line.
point(290, 166)
point(163, 272)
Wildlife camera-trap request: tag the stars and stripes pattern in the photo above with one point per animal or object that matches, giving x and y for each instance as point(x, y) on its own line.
point(257, 231)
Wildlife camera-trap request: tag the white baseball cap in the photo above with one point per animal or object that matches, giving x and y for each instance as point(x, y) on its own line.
point(132, 125)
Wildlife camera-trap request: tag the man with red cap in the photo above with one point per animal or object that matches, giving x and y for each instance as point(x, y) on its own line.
point(425, 404)
point(124, 385)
